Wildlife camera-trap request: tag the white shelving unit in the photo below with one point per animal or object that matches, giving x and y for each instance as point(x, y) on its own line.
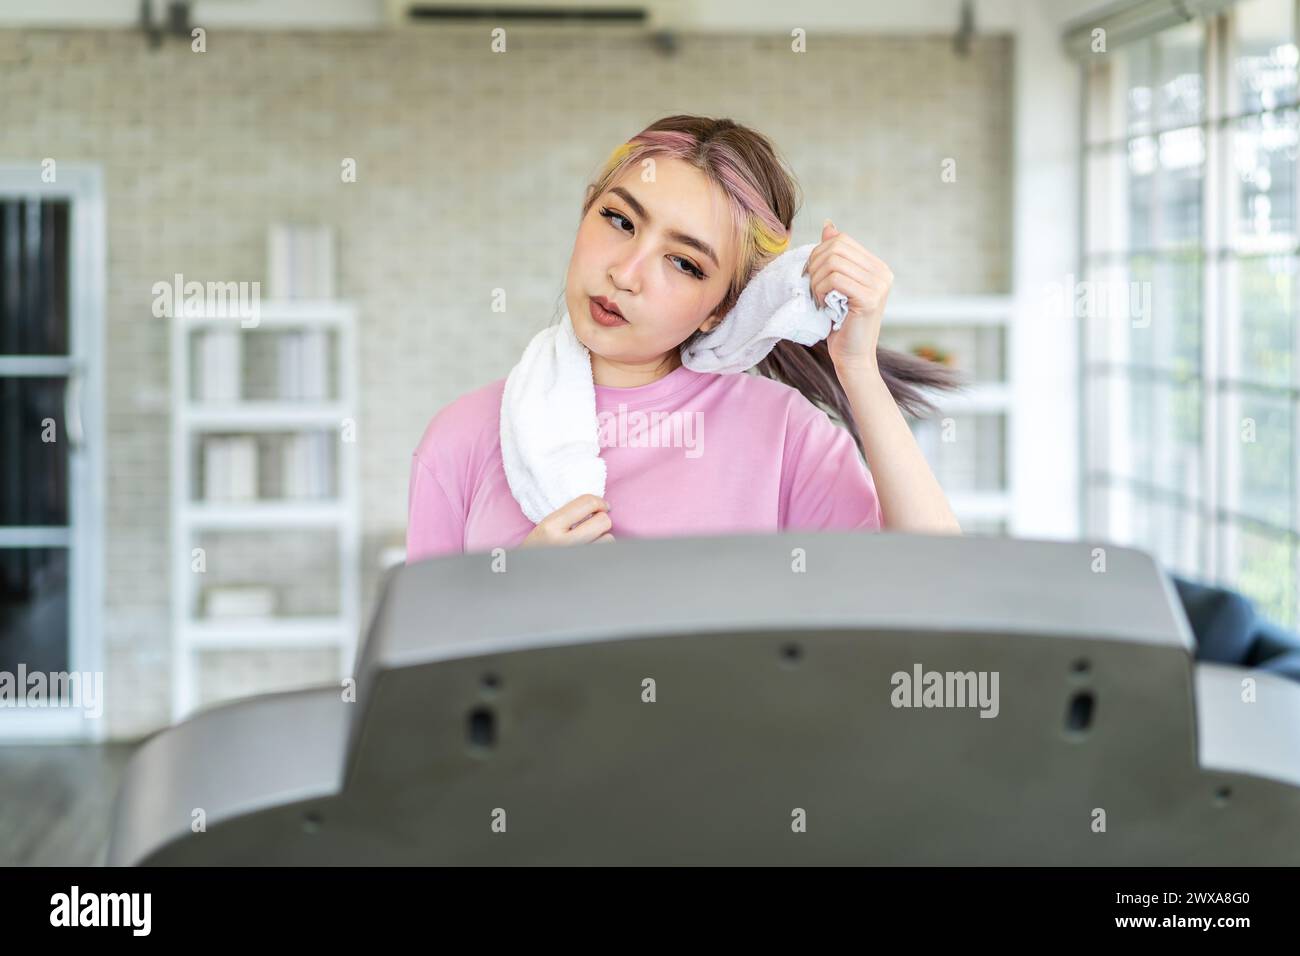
point(193, 634)
point(995, 398)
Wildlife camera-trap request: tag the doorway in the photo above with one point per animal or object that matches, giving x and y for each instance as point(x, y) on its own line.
point(52, 260)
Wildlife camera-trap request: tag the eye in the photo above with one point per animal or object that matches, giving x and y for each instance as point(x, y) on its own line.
point(691, 269)
point(611, 215)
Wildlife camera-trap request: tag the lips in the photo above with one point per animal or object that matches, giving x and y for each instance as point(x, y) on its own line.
point(604, 316)
point(607, 305)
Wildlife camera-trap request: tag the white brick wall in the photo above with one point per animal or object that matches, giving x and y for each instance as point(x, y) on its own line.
point(471, 167)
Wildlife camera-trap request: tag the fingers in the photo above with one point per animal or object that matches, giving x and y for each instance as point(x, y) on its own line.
point(846, 275)
point(854, 259)
point(859, 295)
point(862, 252)
point(581, 507)
point(589, 530)
point(837, 262)
point(583, 520)
point(846, 246)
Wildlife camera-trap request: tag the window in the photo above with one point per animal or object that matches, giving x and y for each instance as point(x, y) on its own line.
point(1191, 376)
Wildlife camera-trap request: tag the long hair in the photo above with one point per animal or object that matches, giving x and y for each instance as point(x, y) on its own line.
point(763, 197)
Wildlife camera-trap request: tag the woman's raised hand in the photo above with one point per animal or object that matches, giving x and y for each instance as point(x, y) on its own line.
point(583, 520)
point(841, 262)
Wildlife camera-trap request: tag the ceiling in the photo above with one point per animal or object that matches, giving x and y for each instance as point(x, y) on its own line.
point(859, 16)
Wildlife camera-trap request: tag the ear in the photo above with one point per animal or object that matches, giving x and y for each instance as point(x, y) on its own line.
point(711, 323)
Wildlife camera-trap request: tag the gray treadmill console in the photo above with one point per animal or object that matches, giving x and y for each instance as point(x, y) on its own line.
point(805, 698)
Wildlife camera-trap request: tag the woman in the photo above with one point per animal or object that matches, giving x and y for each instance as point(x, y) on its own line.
point(682, 216)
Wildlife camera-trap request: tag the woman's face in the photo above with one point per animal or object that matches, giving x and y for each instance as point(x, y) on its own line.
point(662, 253)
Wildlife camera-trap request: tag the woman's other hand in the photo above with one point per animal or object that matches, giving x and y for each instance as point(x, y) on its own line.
point(583, 520)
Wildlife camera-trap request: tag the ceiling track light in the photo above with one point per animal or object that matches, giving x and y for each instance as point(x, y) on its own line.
point(961, 42)
point(177, 22)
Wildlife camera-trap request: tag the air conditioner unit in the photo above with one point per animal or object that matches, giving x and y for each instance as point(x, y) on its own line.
point(643, 14)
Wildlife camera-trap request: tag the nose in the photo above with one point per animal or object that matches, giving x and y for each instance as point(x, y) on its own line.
point(625, 272)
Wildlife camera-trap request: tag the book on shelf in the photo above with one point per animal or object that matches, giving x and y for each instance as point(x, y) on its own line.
point(302, 365)
point(220, 365)
point(288, 365)
point(314, 361)
point(307, 465)
point(300, 261)
point(230, 468)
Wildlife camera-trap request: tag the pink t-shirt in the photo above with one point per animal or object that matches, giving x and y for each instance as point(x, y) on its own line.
point(693, 453)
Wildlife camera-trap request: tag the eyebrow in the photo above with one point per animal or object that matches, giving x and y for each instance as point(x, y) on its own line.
point(683, 238)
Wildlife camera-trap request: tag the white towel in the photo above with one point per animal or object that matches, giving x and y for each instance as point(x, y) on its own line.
point(776, 304)
point(549, 442)
point(550, 445)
